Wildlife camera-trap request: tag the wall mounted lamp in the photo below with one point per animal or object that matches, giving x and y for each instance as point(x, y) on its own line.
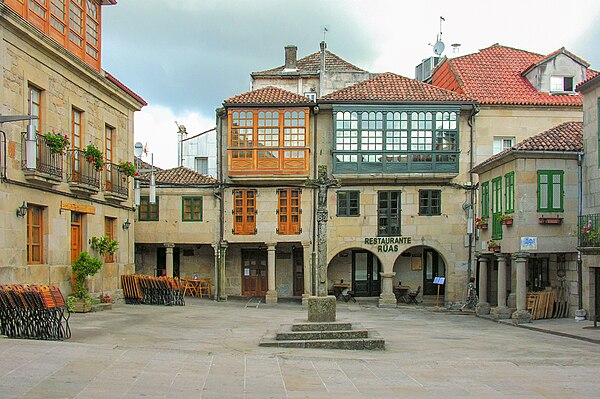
point(22, 210)
point(126, 224)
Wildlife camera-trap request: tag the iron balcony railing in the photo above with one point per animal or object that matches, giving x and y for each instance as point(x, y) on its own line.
point(116, 181)
point(81, 171)
point(46, 161)
point(588, 233)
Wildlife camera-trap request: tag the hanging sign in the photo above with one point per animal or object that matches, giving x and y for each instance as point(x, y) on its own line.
point(439, 280)
point(71, 206)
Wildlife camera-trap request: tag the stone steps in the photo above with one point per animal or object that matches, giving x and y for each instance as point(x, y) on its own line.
point(335, 335)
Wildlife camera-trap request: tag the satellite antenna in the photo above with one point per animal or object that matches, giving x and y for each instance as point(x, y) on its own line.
point(138, 149)
point(439, 46)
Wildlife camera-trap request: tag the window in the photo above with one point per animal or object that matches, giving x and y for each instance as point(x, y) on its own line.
point(496, 207)
point(244, 212)
point(35, 234)
point(388, 213)
point(38, 7)
point(109, 231)
point(348, 203)
point(502, 143)
point(550, 191)
point(201, 165)
point(92, 28)
point(58, 15)
point(430, 202)
point(485, 199)
point(35, 108)
point(76, 117)
point(311, 95)
point(76, 22)
point(509, 193)
point(191, 209)
point(539, 274)
point(561, 84)
point(148, 211)
point(289, 212)
point(108, 153)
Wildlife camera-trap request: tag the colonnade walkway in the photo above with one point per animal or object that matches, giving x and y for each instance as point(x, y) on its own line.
point(209, 350)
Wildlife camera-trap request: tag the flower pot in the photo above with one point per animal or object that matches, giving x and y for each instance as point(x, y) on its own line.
point(544, 220)
point(507, 222)
point(82, 306)
point(494, 249)
point(482, 226)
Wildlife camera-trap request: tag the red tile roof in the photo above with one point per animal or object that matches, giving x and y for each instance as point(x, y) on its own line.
point(268, 95)
point(395, 88)
point(588, 82)
point(311, 64)
point(494, 76)
point(179, 176)
point(566, 137)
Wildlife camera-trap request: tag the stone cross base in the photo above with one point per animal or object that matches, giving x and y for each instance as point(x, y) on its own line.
point(387, 301)
point(482, 308)
point(321, 308)
point(521, 316)
point(501, 312)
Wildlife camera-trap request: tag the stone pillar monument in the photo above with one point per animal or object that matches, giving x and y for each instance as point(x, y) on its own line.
point(483, 307)
point(387, 299)
point(502, 311)
point(307, 273)
point(272, 291)
point(521, 315)
point(322, 307)
point(169, 258)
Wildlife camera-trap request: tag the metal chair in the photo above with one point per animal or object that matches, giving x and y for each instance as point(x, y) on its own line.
point(413, 296)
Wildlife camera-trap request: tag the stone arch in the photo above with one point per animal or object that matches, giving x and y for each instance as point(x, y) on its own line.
point(416, 264)
point(340, 271)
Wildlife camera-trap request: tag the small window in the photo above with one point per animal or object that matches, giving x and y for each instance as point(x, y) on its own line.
point(311, 95)
point(109, 231)
point(201, 165)
point(509, 193)
point(561, 84)
point(430, 202)
point(244, 212)
point(550, 191)
point(348, 203)
point(485, 199)
point(35, 234)
point(191, 209)
point(502, 143)
point(539, 274)
point(389, 213)
point(289, 211)
point(148, 211)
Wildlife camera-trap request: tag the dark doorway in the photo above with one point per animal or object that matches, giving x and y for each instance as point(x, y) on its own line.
point(597, 293)
point(366, 280)
point(254, 272)
point(433, 266)
point(161, 262)
point(298, 264)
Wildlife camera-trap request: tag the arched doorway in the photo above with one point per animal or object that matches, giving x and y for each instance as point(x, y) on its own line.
point(357, 267)
point(418, 266)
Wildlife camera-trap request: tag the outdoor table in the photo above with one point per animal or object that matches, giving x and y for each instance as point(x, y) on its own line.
point(339, 288)
point(401, 292)
point(192, 286)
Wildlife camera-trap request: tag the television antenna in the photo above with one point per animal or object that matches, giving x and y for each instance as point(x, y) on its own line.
point(439, 46)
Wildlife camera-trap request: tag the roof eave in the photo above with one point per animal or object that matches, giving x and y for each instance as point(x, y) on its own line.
point(511, 155)
point(254, 105)
point(406, 102)
point(589, 84)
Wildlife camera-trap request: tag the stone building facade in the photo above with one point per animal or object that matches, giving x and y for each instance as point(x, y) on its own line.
point(63, 200)
point(527, 216)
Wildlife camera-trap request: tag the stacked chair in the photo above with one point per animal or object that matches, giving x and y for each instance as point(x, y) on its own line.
point(149, 290)
point(33, 312)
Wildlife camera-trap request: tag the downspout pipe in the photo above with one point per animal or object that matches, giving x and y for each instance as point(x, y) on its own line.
point(220, 253)
point(313, 257)
point(471, 210)
point(580, 314)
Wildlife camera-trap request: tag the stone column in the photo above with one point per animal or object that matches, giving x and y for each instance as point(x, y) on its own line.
point(483, 307)
point(272, 291)
point(387, 299)
point(501, 311)
point(169, 259)
point(306, 255)
point(521, 315)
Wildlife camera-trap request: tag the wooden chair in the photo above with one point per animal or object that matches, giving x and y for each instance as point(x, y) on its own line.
point(413, 296)
point(204, 288)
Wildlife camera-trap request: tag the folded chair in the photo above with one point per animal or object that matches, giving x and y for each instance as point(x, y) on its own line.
point(413, 296)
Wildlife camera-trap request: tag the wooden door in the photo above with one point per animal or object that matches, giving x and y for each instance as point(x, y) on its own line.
point(76, 236)
point(433, 266)
point(254, 272)
point(161, 261)
point(298, 264)
point(365, 274)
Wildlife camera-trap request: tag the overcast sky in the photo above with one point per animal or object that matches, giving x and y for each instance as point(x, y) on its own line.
point(184, 57)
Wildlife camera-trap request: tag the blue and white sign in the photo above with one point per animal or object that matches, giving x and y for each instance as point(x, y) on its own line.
point(439, 280)
point(528, 243)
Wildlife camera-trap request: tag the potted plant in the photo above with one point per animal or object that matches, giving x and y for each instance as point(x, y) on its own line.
point(127, 168)
point(104, 245)
point(82, 267)
point(506, 220)
point(94, 156)
point(493, 246)
point(588, 235)
point(57, 143)
point(550, 220)
point(481, 223)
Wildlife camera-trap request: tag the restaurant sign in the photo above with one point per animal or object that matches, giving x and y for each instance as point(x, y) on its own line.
point(388, 244)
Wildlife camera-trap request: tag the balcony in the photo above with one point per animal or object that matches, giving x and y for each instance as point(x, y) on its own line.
point(82, 176)
point(273, 161)
point(589, 233)
point(48, 165)
point(395, 162)
point(117, 184)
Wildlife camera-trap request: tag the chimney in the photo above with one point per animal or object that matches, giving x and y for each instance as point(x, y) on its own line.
point(323, 47)
point(290, 57)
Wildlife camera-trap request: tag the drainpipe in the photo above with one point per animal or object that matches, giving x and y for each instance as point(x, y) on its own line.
point(220, 255)
point(470, 229)
point(580, 313)
point(314, 213)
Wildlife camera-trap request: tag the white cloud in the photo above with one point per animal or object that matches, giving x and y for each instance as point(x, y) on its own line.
point(155, 127)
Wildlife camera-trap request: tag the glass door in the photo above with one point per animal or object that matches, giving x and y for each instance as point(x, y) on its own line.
point(433, 266)
point(365, 274)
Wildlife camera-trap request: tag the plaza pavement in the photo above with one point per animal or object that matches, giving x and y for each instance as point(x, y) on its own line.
point(209, 350)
